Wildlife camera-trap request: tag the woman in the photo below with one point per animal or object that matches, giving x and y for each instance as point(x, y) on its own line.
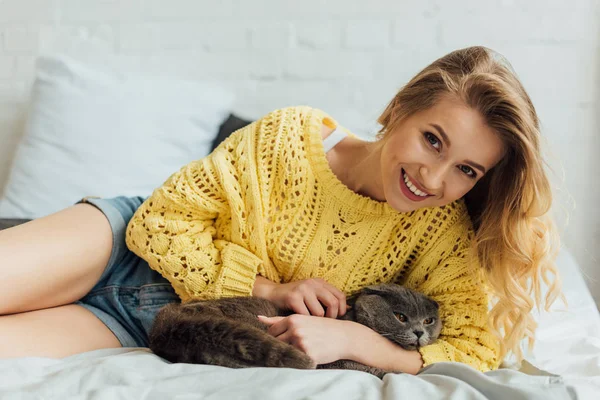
point(451, 200)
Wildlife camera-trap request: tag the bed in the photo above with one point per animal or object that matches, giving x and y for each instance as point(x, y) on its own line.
point(565, 363)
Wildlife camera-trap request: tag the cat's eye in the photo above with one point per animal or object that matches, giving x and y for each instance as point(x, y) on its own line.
point(428, 321)
point(401, 317)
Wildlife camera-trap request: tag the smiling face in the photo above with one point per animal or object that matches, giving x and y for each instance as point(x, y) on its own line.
point(436, 156)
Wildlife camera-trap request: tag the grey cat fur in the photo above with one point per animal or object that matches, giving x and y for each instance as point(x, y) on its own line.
point(227, 331)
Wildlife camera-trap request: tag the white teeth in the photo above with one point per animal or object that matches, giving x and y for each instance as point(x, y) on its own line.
point(413, 187)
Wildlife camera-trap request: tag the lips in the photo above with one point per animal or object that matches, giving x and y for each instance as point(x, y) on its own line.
point(406, 191)
point(414, 182)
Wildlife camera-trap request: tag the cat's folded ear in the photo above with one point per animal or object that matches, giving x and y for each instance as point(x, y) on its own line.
point(382, 289)
point(393, 289)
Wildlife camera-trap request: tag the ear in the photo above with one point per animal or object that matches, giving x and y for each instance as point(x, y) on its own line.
point(373, 289)
point(368, 310)
point(380, 290)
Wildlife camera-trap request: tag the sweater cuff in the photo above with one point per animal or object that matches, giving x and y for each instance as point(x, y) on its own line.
point(437, 352)
point(238, 272)
point(433, 353)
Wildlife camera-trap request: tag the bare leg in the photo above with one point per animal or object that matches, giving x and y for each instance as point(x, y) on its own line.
point(54, 332)
point(54, 260)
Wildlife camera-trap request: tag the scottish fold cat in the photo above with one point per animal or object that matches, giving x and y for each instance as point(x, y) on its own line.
point(227, 332)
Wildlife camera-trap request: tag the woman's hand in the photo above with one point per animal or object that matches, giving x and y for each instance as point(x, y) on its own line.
point(306, 297)
point(327, 340)
point(324, 340)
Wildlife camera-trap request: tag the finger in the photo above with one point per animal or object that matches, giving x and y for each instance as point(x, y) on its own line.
point(278, 328)
point(297, 305)
point(269, 320)
point(341, 299)
point(331, 302)
point(314, 306)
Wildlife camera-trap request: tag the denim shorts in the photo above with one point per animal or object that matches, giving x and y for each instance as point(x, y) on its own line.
point(129, 293)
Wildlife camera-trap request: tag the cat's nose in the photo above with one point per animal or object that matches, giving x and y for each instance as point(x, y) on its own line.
point(418, 333)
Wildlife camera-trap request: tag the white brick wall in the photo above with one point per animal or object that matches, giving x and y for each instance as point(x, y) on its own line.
point(346, 56)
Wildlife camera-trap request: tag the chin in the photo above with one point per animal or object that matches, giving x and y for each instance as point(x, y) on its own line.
point(403, 207)
point(398, 203)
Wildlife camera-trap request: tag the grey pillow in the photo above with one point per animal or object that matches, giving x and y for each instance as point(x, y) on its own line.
point(9, 223)
point(231, 124)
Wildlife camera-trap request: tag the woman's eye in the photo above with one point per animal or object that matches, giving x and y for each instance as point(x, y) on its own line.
point(428, 321)
point(401, 317)
point(468, 171)
point(433, 140)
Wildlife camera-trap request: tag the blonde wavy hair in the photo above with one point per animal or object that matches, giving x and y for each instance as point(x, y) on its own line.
point(516, 240)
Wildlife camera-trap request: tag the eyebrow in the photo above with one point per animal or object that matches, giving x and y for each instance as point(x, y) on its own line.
point(447, 140)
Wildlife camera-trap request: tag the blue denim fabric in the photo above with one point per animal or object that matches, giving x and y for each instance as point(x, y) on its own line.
point(129, 293)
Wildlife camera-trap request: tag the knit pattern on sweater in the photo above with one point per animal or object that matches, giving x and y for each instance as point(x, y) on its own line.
point(266, 202)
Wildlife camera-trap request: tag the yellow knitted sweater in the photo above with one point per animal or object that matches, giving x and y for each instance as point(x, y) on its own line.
point(266, 202)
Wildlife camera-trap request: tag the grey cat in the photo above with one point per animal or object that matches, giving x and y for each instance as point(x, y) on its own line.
point(227, 331)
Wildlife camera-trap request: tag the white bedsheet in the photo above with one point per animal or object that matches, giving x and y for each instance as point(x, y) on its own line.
point(568, 345)
point(138, 374)
point(568, 342)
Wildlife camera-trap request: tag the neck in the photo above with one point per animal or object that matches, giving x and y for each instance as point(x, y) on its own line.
point(363, 171)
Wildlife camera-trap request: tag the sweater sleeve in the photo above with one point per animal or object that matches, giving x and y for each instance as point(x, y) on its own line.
point(177, 230)
point(456, 284)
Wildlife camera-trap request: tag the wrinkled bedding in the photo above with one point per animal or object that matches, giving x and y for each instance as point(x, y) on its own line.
point(565, 364)
point(138, 374)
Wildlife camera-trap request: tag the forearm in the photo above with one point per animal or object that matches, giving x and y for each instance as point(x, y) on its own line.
point(370, 348)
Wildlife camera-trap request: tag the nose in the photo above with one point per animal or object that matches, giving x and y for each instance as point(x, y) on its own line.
point(418, 333)
point(433, 177)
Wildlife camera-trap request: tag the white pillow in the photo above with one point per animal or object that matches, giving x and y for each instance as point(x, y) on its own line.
point(95, 132)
